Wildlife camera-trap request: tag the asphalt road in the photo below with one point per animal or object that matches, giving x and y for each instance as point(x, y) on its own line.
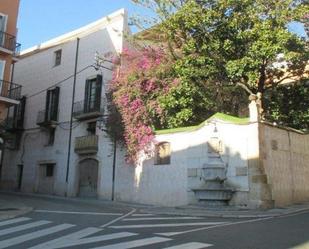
point(57, 223)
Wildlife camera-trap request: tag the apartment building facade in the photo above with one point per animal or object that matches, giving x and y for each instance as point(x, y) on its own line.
point(9, 50)
point(40, 160)
point(10, 92)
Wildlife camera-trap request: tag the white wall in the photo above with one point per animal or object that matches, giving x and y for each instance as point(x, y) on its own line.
point(169, 185)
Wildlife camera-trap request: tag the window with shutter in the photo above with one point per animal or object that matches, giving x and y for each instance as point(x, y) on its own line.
point(57, 56)
point(19, 113)
point(93, 91)
point(52, 102)
point(3, 23)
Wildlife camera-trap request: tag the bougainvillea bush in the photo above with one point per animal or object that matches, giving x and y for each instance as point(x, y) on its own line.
point(138, 84)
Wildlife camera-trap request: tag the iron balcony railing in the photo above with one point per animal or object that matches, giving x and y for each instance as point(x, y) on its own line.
point(13, 123)
point(86, 144)
point(10, 90)
point(43, 119)
point(8, 42)
point(87, 108)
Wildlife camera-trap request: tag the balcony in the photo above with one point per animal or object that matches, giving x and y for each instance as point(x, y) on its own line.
point(84, 110)
point(10, 92)
point(86, 145)
point(46, 119)
point(8, 44)
point(12, 124)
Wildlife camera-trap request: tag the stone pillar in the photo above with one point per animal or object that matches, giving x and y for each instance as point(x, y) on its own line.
point(255, 107)
point(259, 189)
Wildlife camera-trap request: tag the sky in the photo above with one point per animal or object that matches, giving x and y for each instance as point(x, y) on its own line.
point(42, 20)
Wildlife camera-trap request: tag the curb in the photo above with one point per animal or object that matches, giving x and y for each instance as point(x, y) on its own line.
point(217, 214)
point(101, 202)
point(181, 211)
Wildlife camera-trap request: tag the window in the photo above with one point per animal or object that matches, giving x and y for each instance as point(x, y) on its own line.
point(93, 94)
point(92, 128)
point(52, 101)
point(3, 23)
point(19, 114)
point(51, 136)
point(57, 57)
point(2, 66)
point(163, 153)
point(49, 170)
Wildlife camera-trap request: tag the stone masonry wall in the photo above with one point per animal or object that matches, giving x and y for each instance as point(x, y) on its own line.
point(285, 159)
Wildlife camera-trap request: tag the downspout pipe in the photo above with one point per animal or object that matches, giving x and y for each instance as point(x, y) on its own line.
point(72, 109)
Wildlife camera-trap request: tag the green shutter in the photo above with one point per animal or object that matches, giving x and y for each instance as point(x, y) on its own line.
point(98, 92)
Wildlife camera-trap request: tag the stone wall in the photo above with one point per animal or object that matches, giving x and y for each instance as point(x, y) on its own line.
point(284, 157)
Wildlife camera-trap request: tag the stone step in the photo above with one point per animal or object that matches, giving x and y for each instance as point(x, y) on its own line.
point(213, 203)
point(213, 155)
point(219, 194)
point(213, 165)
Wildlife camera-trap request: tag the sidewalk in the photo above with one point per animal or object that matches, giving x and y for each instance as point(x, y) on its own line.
point(227, 212)
point(12, 208)
point(11, 205)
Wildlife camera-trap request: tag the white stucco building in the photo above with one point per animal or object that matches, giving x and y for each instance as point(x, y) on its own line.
point(38, 161)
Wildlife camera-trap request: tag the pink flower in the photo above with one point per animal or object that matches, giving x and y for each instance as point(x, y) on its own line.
point(136, 104)
point(144, 63)
point(124, 100)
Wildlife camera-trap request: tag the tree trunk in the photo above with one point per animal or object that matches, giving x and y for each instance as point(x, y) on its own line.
point(262, 79)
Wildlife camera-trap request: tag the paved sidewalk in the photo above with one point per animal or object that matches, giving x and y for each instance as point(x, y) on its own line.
point(227, 212)
point(10, 208)
point(11, 205)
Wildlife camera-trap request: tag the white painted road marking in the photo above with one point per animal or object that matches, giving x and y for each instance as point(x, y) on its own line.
point(78, 238)
point(191, 245)
point(134, 243)
point(138, 215)
point(13, 221)
point(34, 235)
point(119, 218)
point(23, 227)
point(168, 225)
point(210, 227)
point(81, 237)
point(71, 212)
point(162, 218)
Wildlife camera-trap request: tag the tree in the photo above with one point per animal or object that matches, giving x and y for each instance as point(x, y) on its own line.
point(224, 44)
point(206, 56)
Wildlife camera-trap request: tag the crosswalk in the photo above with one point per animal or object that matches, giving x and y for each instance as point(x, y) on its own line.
point(25, 232)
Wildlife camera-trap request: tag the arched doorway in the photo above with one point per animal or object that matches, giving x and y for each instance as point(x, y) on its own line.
point(88, 178)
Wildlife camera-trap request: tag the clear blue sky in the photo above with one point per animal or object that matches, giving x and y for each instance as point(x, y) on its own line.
point(41, 20)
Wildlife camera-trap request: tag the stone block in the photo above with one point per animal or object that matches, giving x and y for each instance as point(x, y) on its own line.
point(274, 144)
point(192, 172)
point(241, 171)
point(259, 179)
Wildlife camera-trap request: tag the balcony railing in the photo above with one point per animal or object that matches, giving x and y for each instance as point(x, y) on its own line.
point(83, 110)
point(8, 42)
point(86, 144)
point(46, 120)
point(13, 124)
point(10, 90)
